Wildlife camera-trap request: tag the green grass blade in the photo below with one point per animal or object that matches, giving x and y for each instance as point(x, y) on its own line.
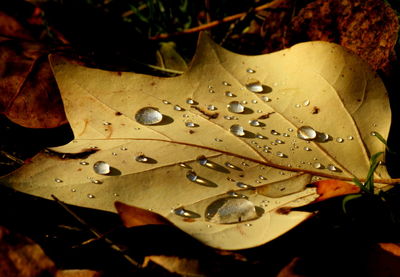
point(348, 198)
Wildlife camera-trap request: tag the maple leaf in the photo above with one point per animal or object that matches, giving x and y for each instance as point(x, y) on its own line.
point(221, 149)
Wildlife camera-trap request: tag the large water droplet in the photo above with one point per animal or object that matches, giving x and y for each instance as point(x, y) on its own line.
point(148, 116)
point(235, 107)
point(237, 130)
point(306, 133)
point(185, 213)
point(255, 86)
point(254, 123)
point(101, 167)
point(231, 210)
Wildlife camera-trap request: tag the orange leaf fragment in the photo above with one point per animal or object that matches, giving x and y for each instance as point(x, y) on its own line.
point(332, 188)
point(132, 216)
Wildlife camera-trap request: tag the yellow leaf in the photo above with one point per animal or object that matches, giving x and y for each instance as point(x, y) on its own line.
point(220, 176)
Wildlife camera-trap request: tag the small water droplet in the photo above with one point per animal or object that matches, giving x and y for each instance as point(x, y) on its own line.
point(280, 154)
point(101, 167)
point(83, 163)
point(218, 140)
point(254, 101)
point(322, 137)
point(191, 124)
point(282, 173)
point(275, 133)
point(58, 180)
point(211, 91)
point(229, 94)
point(244, 102)
point(210, 86)
point(190, 101)
point(255, 86)
point(185, 213)
point(245, 164)
point(290, 129)
point(231, 210)
point(73, 190)
point(278, 141)
point(94, 181)
point(91, 196)
point(285, 135)
point(211, 108)
point(237, 130)
point(227, 164)
point(242, 185)
point(235, 194)
point(226, 83)
point(166, 102)
point(254, 123)
point(340, 140)
point(191, 175)
point(259, 136)
point(266, 99)
point(184, 165)
point(307, 148)
point(141, 159)
point(227, 117)
point(373, 133)
point(306, 103)
point(350, 138)
point(114, 154)
point(105, 123)
point(306, 133)
point(332, 168)
point(235, 107)
point(318, 165)
point(249, 70)
point(273, 143)
point(148, 116)
point(178, 108)
point(297, 105)
point(262, 177)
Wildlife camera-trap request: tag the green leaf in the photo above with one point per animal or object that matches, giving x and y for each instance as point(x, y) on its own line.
point(348, 198)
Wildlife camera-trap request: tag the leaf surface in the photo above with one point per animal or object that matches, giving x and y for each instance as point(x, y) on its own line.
point(315, 84)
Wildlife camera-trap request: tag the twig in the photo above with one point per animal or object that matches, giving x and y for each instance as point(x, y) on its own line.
point(11, 157)
point(97, 234)
point(216, 22)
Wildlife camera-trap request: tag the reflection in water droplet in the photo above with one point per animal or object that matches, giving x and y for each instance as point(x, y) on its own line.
point(332, 168)
point(58, 180)
point(190, 101)
point(83, 163)
point(307, 148)
point(190, 124)
point(191, 175)
point(235, 107)
point(254, 123)
point(231, 210)
point(142, 159)
point(226, 83)
point(317, 165)
point(255, 86)
point(91, 196)
point(306, 133)
point(101, 167)
point(185, 213)
point(340, 140)
point(148, 116)
point(237, 130)
point(166, 102)
point(211, 108)
point(306, 103)
point(249, 70)
point(266, 99)
point(275, 133)
point(229, 94)
point(178, 108)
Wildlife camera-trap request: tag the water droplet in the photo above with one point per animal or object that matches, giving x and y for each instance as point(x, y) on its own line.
point(148, 116)
point(249, 70)
point(278, 141)
point(94, 181)
point(350, 138)
point(259, 136)
point(340, 140)
point(235, 107)
point(237, 130)
point(373, 133)
point(191, 175)
point(211, 91)
point(83, 163)
point(306, 103)
point(226, 83)
point(73, 190)
point(235, 194)
point(318, 165)
point(101, 167)
point(114, 154)
point(254, 123)
point(332, 168)
point(275, 133)
point(58, 180)
point(266, 99)
point(245, 164)
point(105, 123)
point(290, 129)
point(229, 94)
point(218, 140)
point(191, 124)
point(255, 86)
point(141, 159)
point(297, 105)
point(185, 213)
point(184, 165)
point(244, 102)
point(322, 137)
point(262, 177)
point(242, 185)
point(280, 154)
point(227, 117)
point(307, 148)
point(91, 196)
point(210, 86)
point(190, 101)
point(306, 133)
point(178, 108)
point(231, 210)
point(254, 101)
point(166, 102)
point(285, 135)
point(211, 108)
point(116, 195)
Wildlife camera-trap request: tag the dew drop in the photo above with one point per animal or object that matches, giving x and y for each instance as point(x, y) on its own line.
point(245, 164)
point(166, 102)
point(91, 196)
point(297, 105)
point(332, 168)
point(237, 130)
point(227, 117)
point(244, 102)
point(318, 165)
point(73, 190)
point(124, 148)
point(218, 140)
point(148, 116)
point(58, 180)
point(340, 140)
point(306, 103)
point(350, 138)
point(97, 182)
point(178, 108)
point(191, 175)
point(259, 136)
point(114, 154)
point(229, 94)
point(322, 137)
point(235, 194)
point(290, 129)
point(285, 135)
point(278, 141)
point(373, 134)
point(211, 108)
point(280, 154)
point(254, 123)
point(242, 185)
point(307, 148)
point(101, 167)
point(235, 107)
point(275, 133)
point(190, 101)
point(211, 91)
point(306, 133)
point(231, 210)
point(191, 124)
point(141, 159)
point(184, 165)
point(255, 86)
point(83, 163)
point(249, 70)
point(226, 83)
point(262, 177)
point(266, 99)
point(254, 101)
point(185, 213)
point(105, 123)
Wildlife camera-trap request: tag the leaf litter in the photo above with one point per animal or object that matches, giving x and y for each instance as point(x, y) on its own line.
point(275, 163)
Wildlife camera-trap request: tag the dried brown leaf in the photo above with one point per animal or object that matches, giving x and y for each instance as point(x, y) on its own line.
point(332, 188)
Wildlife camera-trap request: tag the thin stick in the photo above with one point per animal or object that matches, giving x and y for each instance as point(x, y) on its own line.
point(97, 234)
point(217, 22)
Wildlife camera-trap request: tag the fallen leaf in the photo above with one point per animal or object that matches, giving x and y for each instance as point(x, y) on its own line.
point(191, 168)
point(133, 216)
point(182, 266)
point(77, 273)
point(332, 188)
point(21, 257)
point(10, 27)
